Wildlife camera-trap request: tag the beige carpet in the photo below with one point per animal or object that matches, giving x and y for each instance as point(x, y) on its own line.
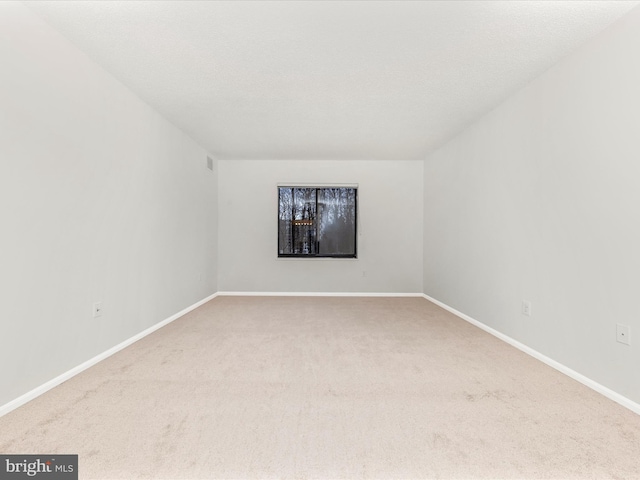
point(326, 388)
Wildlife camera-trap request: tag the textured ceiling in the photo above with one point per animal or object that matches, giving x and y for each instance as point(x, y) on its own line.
point(326, 80)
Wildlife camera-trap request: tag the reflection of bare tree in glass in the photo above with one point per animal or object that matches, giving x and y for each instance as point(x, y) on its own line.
point(336, 226)
point(304, 219)
point(285, 230)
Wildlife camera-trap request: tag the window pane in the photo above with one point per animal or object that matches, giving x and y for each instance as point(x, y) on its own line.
point(337, 221)
point(285, 230)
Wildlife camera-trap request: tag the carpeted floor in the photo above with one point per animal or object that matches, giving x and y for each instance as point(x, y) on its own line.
point(326, 388)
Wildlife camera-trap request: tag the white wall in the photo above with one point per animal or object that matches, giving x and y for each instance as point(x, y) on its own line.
point(540, 200)
point(101, 199)
point(389, 227)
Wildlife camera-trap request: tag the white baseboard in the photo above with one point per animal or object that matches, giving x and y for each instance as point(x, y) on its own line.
point(607, 392)
point(318, 294)
point(36, 392)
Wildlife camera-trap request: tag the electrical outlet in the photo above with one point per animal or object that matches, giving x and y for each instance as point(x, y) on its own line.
point(526, 308)
point(97, 309)
point(622, 334)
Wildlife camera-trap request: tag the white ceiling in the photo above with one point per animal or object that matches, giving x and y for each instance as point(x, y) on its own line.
point(326, 79)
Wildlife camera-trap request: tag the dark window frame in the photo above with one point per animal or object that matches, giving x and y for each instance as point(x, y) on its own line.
point(353, 255)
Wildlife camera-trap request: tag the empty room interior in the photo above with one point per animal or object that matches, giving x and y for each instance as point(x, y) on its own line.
point(320, 240)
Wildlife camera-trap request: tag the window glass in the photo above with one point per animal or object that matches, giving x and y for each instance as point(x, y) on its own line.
point(317, 222)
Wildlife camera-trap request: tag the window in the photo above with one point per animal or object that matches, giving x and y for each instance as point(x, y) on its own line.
point(317, 221)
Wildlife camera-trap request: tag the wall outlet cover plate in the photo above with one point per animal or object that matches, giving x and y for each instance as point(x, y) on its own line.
point(623, 334)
